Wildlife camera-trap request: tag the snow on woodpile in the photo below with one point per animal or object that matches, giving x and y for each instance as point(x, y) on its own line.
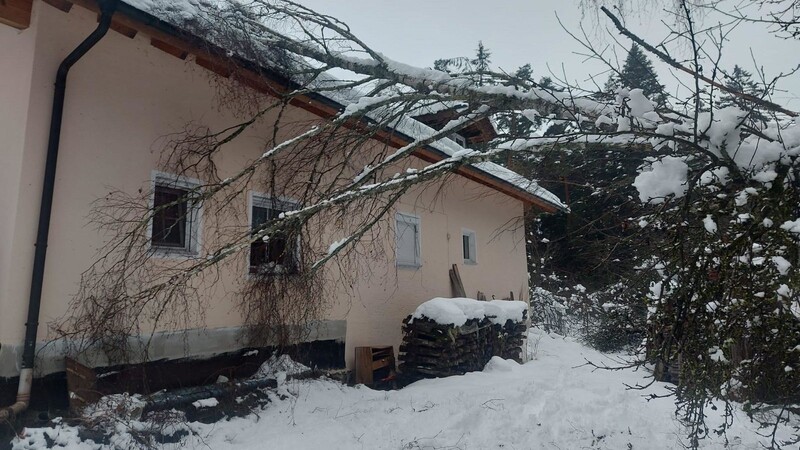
point(453, 336)
point(457, 311)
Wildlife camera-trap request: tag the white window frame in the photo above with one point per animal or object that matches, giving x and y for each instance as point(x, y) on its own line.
point(459, 139)
point(472, 246)
point(194, 221)
point(413, 220)
point(261, 200)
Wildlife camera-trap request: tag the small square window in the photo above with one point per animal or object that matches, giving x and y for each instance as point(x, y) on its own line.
point(468, 247)
point(278, 254)
point(459, 139)
point(408, 236)
point(174, 227)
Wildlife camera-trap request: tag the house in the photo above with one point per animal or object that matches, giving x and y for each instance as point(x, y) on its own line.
point(145, 79)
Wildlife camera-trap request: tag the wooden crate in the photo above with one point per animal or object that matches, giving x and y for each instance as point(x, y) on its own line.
point(81, 385)
point(370, 360)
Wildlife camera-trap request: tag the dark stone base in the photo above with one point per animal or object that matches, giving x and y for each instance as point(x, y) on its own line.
point(49, 397)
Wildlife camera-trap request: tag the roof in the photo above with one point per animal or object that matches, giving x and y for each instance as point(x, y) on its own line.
point(161, 21)
point(478, 131)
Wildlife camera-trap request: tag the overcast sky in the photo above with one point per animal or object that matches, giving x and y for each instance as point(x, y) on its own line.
point(517, 32)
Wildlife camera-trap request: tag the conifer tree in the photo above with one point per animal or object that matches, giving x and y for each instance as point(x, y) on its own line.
point(638, 73)
point(481, 62)
point(741, 80)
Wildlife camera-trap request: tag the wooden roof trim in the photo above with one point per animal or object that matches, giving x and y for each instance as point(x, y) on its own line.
point(170, 49)
point(270, 84)
point(16, 13)
point(480, 129)
point(63, 5)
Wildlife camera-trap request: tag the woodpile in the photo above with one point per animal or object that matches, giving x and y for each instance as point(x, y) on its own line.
point(431, 349)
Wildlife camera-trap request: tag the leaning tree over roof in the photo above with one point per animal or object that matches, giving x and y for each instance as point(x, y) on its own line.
point(724, 190)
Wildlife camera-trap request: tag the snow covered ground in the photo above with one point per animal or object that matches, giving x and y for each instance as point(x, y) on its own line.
point(552, 402)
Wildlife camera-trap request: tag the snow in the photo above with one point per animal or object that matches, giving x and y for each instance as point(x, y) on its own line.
point(782, 264)
point(709, 224)
point(667, 176)
point(719, 175)
point(121, 405)
point(717, 354)
point(765, 176)
point(639, 103)
point(335, 245)
point(457, 311)
point(277, 365)
point(792, 226)
point(555, 401)
point(498, 364)
point(519, 181)
point(206, 403)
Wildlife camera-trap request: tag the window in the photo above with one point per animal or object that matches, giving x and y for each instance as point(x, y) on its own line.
point(174, 228)
point(407, 234)
point(459, 139)
point(468, 246)
point(278, 254)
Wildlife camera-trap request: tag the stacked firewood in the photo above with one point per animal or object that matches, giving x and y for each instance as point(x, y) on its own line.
point(431, 349)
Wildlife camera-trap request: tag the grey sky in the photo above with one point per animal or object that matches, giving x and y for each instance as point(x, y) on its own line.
point(517, 32)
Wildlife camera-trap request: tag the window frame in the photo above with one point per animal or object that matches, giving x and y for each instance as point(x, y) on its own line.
point(194, 219)
point(459, 139)
point(472, 246)
point(261, 200)
point(413, 220)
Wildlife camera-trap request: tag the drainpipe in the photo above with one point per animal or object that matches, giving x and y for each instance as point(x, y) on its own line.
point(107, 8)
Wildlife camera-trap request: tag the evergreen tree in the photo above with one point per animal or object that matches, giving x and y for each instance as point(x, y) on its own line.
point(523, 75)
point(638, 73)
point(547, 83)
point(610, 88)
point(741, 80)
point(598, 243)
point(514, 124)
point(442, 65)
point(481, 62)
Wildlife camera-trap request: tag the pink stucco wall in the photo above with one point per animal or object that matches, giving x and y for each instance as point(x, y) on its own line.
point(122, 98)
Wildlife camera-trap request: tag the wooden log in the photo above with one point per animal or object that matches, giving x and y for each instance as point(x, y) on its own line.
point(427, 327)
point(457, 284)
point(432, 349)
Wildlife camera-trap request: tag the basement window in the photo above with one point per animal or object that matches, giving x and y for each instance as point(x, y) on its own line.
point(468, 246)
point(407, 234)
point(278, 253)
point(175, 224)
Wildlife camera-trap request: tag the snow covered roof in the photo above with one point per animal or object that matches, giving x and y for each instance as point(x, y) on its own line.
point(178, 14)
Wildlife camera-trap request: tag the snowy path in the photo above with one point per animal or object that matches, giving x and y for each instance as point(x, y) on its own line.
point(548, 403)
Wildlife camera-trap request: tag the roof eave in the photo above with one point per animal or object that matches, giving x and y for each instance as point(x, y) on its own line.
point(316, 103)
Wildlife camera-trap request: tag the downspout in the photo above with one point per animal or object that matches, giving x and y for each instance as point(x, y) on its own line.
point(107, 8)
